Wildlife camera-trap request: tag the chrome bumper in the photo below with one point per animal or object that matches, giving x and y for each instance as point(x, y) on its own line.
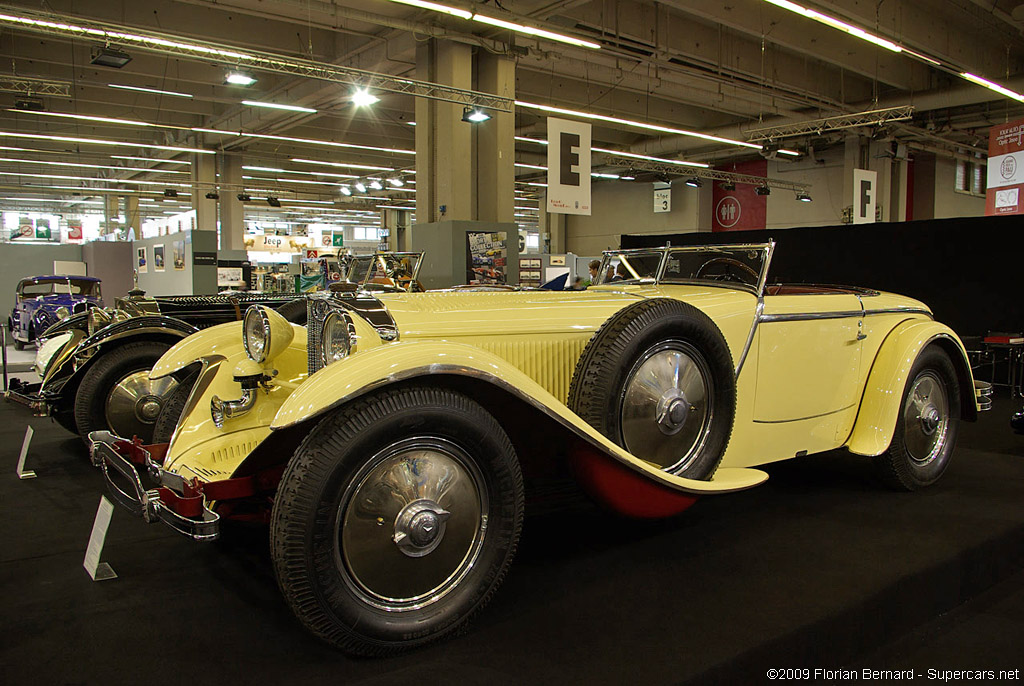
point(118, 457)
point(983, 395)
point(28, 395)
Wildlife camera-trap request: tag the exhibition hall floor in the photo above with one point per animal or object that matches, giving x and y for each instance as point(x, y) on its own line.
point(819, 568)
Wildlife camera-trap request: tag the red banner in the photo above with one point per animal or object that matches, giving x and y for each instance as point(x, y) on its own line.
point(741, 209)
point(1005, 169)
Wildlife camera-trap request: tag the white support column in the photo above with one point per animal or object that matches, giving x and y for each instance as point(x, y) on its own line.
point(495, 142)
point(204, 178)
point(111, 210)
point(232, 211)
point(132, 218)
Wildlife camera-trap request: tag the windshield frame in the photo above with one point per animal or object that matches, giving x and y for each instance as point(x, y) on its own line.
point(609, 256)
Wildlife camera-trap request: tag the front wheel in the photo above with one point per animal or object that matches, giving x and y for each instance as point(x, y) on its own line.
point(926, 428)
point(396, 520)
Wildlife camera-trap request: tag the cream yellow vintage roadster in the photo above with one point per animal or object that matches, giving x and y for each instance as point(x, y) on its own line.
point(386, 444)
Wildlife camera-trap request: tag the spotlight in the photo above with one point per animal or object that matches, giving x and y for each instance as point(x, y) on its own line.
point(109, 57)
point(273, 202)
point(361, 98)
point(29, 105)
point(664, 178)
point(728, 186)
point(763, 190)
point(237, 78)
point(803, 197)
point(345, 190)
point(170, 193)
point(396, 182)
point(474, 115)
point(376, 185)
point(243, 197)
point(360, 186)
point(694, 182)
point(213, 195)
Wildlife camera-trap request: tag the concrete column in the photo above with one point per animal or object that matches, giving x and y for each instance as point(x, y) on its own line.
point(880, 161)
point(495, 142)
point(204, 180)
point(111, 210)
point(444, 177)
point(552, 230)
point(851, 160)
point(232, 211)
point(132, 218)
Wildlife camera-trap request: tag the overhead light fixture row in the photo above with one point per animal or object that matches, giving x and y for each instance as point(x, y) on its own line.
point(100, 141)
point(237, 78)
point(278, 106)
point(156, 91)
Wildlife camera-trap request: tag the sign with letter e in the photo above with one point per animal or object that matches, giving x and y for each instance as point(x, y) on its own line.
point(865, 188)
point(568, 167)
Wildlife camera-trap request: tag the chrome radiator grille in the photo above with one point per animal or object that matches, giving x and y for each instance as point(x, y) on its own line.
point(317, 310)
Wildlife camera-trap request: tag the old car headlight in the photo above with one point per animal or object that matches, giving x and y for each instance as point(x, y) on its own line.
point(337, 341)
point(98, 318)
point(47, 349)
point(265, 333)
point(62, 313)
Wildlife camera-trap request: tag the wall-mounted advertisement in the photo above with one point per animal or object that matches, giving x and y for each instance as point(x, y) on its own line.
point(140, 261)
point(75, 230)
point(43, 230)
point(486, 257)
point(178, 251)
point(568, 167)
point(158, 257)
point(1005, 169)
point(230, 276)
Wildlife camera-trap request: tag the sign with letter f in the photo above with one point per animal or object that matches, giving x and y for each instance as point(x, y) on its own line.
point(568, 167)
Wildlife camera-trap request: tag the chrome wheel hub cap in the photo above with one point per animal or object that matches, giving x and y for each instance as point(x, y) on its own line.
point(420, 527)
point(666, 406)
point(926, 418)
point(411, 524)
point(134, 403)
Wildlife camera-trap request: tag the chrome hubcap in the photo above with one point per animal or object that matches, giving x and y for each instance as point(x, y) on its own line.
point(135, 403)
point(411, 524)
point(669, 389)
point(926, 418)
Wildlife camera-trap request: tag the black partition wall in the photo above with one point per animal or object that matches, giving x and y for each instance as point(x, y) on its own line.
point(969, 271)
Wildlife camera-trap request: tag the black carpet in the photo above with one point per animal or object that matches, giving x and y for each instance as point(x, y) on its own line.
point(821, 567)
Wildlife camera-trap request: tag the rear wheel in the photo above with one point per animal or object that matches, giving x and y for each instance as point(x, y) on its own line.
point(926, 428)
point(117, 395)
point(396, 520)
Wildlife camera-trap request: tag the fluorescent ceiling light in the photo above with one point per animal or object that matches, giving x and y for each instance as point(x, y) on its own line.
point(992, 86)
point(663, 160)
point(265, 169)
point(836, 24)
point(367, 167)
point(237, 78)
point(786, 151)
point(276, 106)
point(636, 124)
point(51, 152)
point(83, 117)
point(396, 182)
point(298, 171)
point(444, 9)
point(149, 90)
point(394, 207)
point(100, 141)
point(600, 175)
point(311, 141)
point(375, 185)
point(361, 98)
point(360, 186)
point(530, 166)
point(156, 160)
point(345, 190)
point(533, 31)
point(93, 166)
point(94, 178)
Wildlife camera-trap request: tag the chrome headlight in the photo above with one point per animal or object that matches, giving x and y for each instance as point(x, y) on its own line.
point(98, 318)
point(47, 350)
point(265, 334)
point(338, 339)
point(62, 313)
point(256, 333)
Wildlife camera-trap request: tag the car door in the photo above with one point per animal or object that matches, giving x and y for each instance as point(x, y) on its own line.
point(809, 357)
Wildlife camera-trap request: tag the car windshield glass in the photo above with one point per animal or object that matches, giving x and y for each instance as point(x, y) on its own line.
point(631, 266)
point(359, 265)
point(71, 286)
point(740, 265)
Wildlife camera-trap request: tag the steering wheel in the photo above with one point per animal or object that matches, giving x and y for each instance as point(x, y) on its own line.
point(726, 264)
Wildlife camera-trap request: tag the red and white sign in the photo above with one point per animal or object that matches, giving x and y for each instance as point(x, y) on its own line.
point(74, 230)
point(312, 254)
point(741, 209)
point(1005, 169)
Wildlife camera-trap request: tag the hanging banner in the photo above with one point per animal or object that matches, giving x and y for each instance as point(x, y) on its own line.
point(865, 188)
point(43, 229)
point(740, 209)
point(568, 167)
point(1005, 169)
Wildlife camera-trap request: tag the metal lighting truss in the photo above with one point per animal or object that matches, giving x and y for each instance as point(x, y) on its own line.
point(12, 83)
point(703, 173)
point(113, 34)
point(842, 121)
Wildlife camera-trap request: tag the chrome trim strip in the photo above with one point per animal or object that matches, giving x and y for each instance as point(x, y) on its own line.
point(750, 336)
point(800, 419)
point(810, 316)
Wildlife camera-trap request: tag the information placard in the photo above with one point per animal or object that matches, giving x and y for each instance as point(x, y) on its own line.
point(99, 571)
point(22, 472)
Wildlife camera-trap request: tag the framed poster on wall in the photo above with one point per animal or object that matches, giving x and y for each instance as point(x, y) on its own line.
point(140, 260)
point(178, 250)
point(158, 257)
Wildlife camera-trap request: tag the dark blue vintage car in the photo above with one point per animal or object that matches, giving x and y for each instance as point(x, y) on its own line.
point(42, 301)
